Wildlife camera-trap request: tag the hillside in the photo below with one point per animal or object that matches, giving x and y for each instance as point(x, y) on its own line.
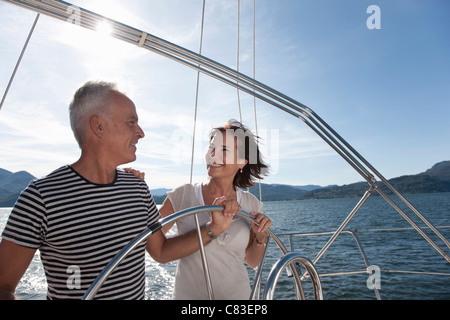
point(11, 184)
point(273, 192)
point(435, 179)
point(270, 192)
point(440, 170)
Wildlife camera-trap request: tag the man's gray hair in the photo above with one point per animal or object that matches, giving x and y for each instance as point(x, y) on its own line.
point(90, 99)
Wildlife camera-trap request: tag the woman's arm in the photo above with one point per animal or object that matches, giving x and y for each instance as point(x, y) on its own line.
point(257, 240)
point(166, 210)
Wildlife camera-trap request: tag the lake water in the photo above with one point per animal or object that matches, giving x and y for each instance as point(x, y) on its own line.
point(393, 252)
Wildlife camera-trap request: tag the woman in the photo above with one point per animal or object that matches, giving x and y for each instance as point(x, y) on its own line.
point(233, 162)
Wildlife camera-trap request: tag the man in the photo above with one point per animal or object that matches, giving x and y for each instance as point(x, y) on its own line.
point(81, 215)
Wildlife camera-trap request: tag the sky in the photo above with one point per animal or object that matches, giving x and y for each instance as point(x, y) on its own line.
point(378, 78)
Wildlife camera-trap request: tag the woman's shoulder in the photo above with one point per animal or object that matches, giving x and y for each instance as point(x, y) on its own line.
point(250, 200)
point(182, 188)
point(183, 197)
point(181, 192)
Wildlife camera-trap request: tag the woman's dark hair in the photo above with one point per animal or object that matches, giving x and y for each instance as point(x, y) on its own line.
point(255, 167)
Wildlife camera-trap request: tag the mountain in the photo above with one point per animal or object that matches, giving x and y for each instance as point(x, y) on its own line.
point(435, 179)
point(11, 184)
point(159, 191)
point(307, 187)
point(440, 170)
point(271, 192)
point(159, 194)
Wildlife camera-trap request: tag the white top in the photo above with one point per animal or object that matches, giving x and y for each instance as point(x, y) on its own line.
point(225, 254)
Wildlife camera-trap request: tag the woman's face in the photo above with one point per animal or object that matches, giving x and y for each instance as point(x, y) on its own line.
point(222, 156)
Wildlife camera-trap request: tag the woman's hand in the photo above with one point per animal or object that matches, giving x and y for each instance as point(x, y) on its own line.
point(138, 174)
point(221, 220)
point(263, 224)
point(257, 240)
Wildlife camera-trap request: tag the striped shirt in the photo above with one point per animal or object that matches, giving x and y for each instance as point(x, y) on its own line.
point(79, 226)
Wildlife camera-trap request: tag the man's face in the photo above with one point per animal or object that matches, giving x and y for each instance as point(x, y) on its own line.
point(123, 130)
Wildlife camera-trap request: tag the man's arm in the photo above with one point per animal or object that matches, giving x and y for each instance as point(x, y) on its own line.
point(14, 261)
point(164, 250)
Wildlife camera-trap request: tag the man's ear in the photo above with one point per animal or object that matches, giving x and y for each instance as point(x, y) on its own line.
point(96, 125)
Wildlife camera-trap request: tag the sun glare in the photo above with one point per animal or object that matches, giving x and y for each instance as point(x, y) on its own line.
point(95, 49)
point(104, 28)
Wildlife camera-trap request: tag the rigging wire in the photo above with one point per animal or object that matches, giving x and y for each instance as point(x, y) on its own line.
point(208, 282)
point(254, 77)
point(254, 63)
point(237, 58)
point(254, 73)
point(19, 60)
point(196, 96)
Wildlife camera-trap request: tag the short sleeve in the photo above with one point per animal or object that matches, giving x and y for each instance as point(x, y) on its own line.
point(27, 223)
point(250, 203)
point(182, 197)
point(153, 212)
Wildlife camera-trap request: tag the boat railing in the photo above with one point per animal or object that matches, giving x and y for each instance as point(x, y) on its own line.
point(369, 268)
point(281, 264)
point(289, 259)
